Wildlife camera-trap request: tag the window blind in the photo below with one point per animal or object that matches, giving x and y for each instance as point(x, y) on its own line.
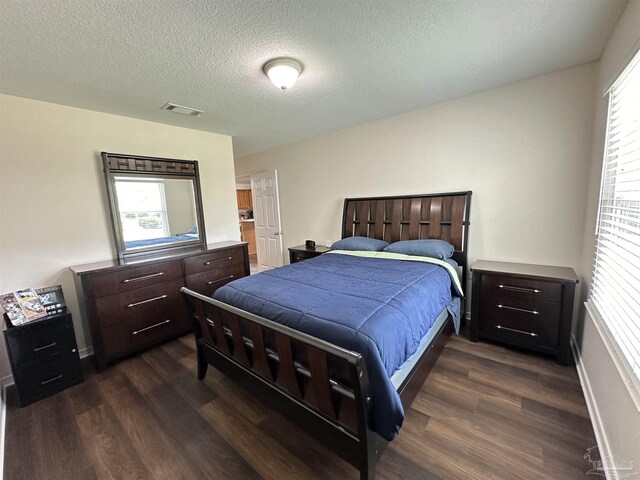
point(615, 290)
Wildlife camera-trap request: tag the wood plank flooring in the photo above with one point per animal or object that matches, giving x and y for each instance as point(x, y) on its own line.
point(485, 412)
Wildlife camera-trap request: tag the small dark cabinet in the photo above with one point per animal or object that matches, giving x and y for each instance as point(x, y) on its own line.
point(527, 306)
point(300, 253)
point(43, 356)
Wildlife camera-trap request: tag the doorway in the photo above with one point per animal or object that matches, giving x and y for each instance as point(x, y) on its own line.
point(265, 219)
point(246, 221)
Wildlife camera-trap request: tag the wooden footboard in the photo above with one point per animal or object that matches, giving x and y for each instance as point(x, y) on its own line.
point(321, 387)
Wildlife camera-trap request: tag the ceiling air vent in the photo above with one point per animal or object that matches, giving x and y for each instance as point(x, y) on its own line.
point(182, 110)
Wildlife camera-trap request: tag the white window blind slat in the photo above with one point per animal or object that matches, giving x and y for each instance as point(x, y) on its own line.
point(615, 289)
point(627, 300)
point(626, 342)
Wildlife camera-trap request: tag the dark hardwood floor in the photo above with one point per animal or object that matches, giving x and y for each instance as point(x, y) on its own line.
point(485, 412)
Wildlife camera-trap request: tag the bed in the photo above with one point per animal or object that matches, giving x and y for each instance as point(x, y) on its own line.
point(305, 338)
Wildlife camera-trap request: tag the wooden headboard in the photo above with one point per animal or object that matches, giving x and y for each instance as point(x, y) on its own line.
point(443, 216)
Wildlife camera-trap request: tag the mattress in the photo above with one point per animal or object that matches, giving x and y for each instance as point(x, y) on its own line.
point(379, 305)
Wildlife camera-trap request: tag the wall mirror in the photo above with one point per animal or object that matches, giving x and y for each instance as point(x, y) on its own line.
point(155, 203)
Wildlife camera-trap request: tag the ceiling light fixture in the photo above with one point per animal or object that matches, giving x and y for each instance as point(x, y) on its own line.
point(283, 72)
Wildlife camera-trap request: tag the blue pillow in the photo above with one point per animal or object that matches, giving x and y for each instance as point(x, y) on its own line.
point(193, 230)
point(424, 248)
point(360, 243)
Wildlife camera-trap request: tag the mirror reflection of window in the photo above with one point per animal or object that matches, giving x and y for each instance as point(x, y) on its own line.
point(155, 204)
point(143, 209)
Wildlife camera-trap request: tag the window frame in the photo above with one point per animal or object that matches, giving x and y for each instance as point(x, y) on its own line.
point(630, 377)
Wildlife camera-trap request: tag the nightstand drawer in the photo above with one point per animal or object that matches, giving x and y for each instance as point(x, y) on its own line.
point(42, 339)
point(504, 288)
point(520, 322)
point(299, 256)
point(301, 252)
point(44, 377)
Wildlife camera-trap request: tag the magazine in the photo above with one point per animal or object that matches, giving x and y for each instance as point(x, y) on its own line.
point(52, 299)
point(22, 306)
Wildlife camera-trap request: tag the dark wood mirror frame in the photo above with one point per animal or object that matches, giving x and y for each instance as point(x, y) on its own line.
point(116, 163)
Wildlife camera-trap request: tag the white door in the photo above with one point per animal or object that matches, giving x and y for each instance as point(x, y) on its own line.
point(266, 212)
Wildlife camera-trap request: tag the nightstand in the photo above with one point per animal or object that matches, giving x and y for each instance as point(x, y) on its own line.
point(527, 306)
point(43, 356)
point(299, 253)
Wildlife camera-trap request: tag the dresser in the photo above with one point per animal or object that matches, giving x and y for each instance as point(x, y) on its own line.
point(527, 306)
point(133, 304)
point(301, 252)
point(43, 356)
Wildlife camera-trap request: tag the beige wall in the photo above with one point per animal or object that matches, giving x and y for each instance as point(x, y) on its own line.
point(53, 209)
point(523, 149)
point(532, 154)
point(612, 404)
point(181, 204)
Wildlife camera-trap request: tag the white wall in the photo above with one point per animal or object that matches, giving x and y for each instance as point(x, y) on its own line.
point(53, 207)
point(532, 154)
point(524, 150)
point(181, 205)
point(612, 403)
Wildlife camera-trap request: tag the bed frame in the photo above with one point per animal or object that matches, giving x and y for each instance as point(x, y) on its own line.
point(319, 386)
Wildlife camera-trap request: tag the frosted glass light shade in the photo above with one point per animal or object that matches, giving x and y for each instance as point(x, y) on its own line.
point(283, 72)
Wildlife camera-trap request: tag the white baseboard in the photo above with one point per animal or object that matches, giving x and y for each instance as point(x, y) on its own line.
point(86, 352)
point(4, 383)
point(592, 407)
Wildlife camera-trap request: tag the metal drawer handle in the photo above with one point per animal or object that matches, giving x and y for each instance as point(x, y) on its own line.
point(220, 280)
point(144, 277)
point(519, 289)
point(531, 334)
point(218, 260)
point(147, 301)
point(532, 312)
point(37, 349)
point(53, 379)
point(149, 327)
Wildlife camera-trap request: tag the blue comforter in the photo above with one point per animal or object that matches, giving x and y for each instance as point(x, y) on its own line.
point(157, 241)
point(380, 308)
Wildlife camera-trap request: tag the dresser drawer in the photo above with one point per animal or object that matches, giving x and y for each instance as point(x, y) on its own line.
point(505, 288)
point(42, 339)
point(42, 378)
point(219, 260)
point(144, 302)
point(134, 278)
point(208, 282)
point(134, 334)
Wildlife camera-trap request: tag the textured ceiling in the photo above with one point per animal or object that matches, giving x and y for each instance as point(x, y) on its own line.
point(363, 60)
